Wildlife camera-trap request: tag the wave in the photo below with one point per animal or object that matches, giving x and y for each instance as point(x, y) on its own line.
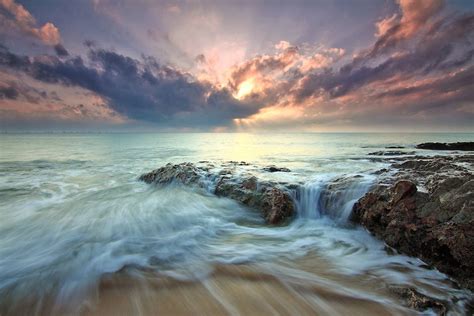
point(65, 245)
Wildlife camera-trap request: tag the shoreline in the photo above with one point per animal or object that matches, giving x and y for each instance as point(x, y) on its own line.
point(422, 205)
point(246, 289)
point(263, 284)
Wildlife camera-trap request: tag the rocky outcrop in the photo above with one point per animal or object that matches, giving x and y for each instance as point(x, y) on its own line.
point(186, 173)
point(435, 223)
point(466, 146)
point(421, 206)
point(276, 169)
point(391, 153)
point(272, 199)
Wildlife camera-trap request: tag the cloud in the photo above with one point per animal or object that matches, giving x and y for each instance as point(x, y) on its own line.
point(269, 78)
point(282, 45)
point(418, 67)
point(415, 17)
point(174, 9)
point(460, 83)
point(60, 50)
point(8, 92)
point(15, 17)
point(263, 67)
point(142, 90)
point(443, 47)
point(29, 103)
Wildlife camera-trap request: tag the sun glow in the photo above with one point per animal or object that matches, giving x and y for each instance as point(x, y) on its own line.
point(245, 88)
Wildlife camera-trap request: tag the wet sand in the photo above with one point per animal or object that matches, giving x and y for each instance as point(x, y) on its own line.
point(308, 286)
point(231, 290)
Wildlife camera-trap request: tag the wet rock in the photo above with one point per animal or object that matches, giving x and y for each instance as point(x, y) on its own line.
point(436, 223)
point(466, 146)
point(391, 153)
point(276, 169)
point(272, 199)
point(403, 189)
point(420, 302)
point(185, 173)
point(276, 205)
point(381, 171)
point(238, 163)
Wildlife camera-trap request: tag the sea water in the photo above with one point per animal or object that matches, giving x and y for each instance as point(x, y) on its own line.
point(72, 210)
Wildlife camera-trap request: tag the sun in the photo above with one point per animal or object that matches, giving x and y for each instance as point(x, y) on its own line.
point(245, 88)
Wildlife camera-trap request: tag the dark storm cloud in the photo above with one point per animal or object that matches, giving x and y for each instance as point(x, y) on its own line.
point(60, 50)
point(8, 93)
point(13, 61)
point(139, 89)
point(20, 91)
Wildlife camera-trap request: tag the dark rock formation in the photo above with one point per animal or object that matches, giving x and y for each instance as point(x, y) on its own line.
point(394, 147)
point(391, 153)
point(436, 224)
point(272, 199)
point(466, 146)
point(276, 169)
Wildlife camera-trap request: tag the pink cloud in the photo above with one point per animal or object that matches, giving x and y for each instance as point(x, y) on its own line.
point(22, 21)
point(415, 15)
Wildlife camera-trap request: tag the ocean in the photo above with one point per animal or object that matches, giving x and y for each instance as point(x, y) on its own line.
point(73, 212)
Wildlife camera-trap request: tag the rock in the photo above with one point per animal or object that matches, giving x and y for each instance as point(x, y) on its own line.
point(391, 153)
point(466, 146)
point(435, 224)
point(394, 147)
point(276, 169)
point(185, 173)
point(420, 302)
point(403, 189)
point(272, 199)
point(276, 205)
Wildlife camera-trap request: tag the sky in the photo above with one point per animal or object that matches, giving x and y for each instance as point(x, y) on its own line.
point(227, 66)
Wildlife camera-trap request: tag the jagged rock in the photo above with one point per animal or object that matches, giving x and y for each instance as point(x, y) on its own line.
point(435, 224)
point(466, 146)
point(276, 169)
point(276, 205)
point(272, 199)
point(186, 173)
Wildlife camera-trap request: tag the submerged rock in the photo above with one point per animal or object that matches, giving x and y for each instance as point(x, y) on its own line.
point(272, 199)
point(466, 146)
point(420, 302)
point(435, 223)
